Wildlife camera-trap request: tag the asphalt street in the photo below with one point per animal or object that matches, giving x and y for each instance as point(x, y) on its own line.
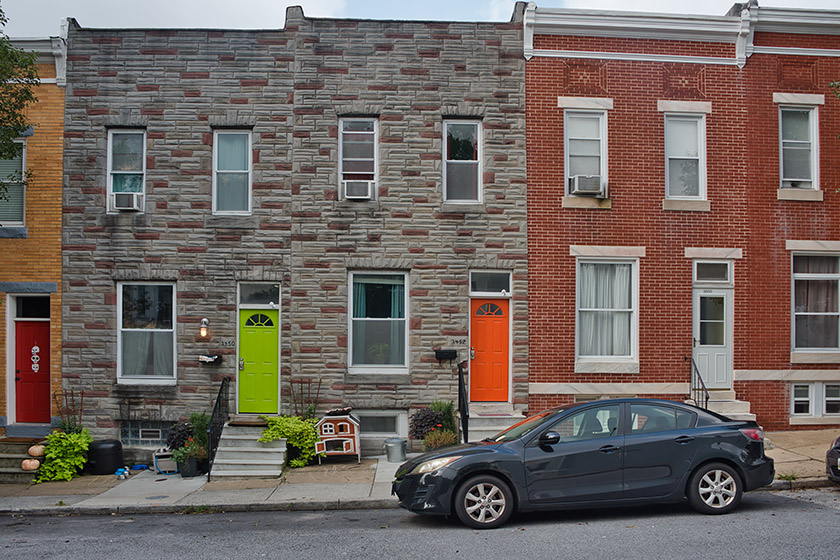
point(767, 525)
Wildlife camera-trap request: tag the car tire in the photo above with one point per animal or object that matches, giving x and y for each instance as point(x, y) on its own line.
point(484, 502)
point(715, 488)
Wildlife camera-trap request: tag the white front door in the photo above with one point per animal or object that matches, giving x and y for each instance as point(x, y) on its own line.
point(713, 333)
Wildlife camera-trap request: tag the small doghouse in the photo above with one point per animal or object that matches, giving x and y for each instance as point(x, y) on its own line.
point(339, 432)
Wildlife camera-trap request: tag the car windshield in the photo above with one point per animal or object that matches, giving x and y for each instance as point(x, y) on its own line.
point(524, 427)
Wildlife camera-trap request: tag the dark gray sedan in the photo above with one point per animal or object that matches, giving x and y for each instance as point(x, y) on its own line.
point(832, 461)
point(602, 453)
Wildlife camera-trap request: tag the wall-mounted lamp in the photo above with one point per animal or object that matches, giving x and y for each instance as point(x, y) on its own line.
point(202, 330)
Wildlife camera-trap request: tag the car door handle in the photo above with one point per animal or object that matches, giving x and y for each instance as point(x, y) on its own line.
point(607, 449)
point(682, 440)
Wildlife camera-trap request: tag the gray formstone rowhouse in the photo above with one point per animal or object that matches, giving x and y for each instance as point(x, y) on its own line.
point(338, 198)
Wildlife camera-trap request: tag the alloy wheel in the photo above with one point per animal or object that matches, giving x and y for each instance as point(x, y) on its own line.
point(717, 488)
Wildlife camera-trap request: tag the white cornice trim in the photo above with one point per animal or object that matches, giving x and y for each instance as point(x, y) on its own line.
point(632, 56)
point(790, 20)
point(794, 51)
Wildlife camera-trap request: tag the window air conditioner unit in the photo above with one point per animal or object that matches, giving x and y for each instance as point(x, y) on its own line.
point(128, 202)
point(358, 190)
point(585, 184)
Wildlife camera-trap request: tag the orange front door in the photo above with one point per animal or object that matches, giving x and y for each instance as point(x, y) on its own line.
point(489, 350)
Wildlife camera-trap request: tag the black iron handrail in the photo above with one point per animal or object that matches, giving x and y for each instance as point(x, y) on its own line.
point(463, 406)
point(221, 414)
point(699, 393)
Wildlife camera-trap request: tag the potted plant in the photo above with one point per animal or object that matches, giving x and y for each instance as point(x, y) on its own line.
point(188, 456)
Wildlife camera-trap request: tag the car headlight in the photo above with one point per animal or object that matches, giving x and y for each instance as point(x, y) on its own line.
point(434, 464)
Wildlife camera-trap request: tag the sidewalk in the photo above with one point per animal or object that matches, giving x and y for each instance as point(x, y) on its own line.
point(336, 484)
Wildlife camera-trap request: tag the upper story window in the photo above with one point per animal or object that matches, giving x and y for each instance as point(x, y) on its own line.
point(378, 322)
point(685, 156)
point(12, 201)
point(126, 169)
point(146, 334)
point(607, 308)
point(462, 165)
point(358, 156)
point(816, 322)
point(585, 148)
point(799, 149)
point(232, 172)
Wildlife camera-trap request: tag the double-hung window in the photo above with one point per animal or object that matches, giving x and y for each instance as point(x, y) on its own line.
point(685, 156)
point(358, 155)
point(126, 168)
point(815, 399)
point(816, 306)
point(146, 335)
point(232, 172)
point(462, 161)
point(586, 151)
point(799, 149)
point(379, 321)
point(12, 201)
point(606, 309)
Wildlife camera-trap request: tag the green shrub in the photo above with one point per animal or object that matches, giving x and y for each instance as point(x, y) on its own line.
point(448, 410)
point(65, 455)
point(424, 421)
point(200, 422)
point(439, 438)
point(297, 432)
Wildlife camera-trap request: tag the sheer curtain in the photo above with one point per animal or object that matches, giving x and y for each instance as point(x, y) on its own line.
point(606, 309)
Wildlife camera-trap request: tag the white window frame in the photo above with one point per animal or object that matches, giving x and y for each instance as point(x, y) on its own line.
point(602, 115)
point(22, 221)
point(249, 171)
point(479, 135)
point(700, 120)
point(111, 172)
point(401, 417)
point(376, 368)
point(817, 399)
point(503, 293)
point(633, 358)
point(730, 281)
point(328, 428)
point(813, 129)
point(147, 380)
point(375, 180)
point(793, 313)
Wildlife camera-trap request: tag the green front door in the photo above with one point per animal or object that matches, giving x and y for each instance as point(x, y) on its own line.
point(258, 360)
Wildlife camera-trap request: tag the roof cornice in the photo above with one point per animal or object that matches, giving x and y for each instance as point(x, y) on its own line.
point(789, 20)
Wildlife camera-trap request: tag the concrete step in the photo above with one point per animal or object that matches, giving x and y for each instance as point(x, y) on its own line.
point(246, 440)
point(251, 454)
point(484, 425)
point(236, 463)
point(729, 407)
point(16, 476)
point(240, 473)
point(240, 453)
point(722, 395)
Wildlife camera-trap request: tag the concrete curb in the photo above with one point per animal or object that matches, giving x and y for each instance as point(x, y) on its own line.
point(801, 484)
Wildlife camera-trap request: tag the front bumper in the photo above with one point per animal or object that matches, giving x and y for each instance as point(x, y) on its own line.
point(832, 467)
point(424, 493)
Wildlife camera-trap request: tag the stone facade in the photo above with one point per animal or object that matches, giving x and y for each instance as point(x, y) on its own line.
point(290, 88)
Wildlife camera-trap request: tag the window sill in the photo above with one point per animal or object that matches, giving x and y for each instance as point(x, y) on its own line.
point(814, 420)
point(463, 207)
point(806, 195)
point(815, 357)
point(687, 205)
point(146, 381)
point(14, 232)
point(606, 367)
point(385, 377)
point(572, 201)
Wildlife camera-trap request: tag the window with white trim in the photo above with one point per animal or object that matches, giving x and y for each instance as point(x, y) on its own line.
point(13, 200)
point(357, 154)
point(489, 283)
point(815, 399)
point(585, 149)
point(798, 138)
point(378, 323)
point(146, 336)
point(816, 309)
point(607, 307)
point(382, 423)
point(232, 172)
point(462, 161)
point(685, 157)
point(126, 164)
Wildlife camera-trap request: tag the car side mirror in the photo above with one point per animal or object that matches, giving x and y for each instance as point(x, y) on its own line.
point(549, 438)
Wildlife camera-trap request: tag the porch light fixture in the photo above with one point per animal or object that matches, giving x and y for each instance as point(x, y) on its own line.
point(202, 330)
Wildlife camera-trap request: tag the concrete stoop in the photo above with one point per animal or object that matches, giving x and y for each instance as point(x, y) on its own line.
point(241, 455)
point(725, 402)
point(13, 450)
point(488, 419)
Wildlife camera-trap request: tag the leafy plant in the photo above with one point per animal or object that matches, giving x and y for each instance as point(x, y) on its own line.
point(297, 432)
point(436, 439)
point(69, 411)
point(190, 449)
point(448, 410)
point(790, 477)
point(200, 422)
point(65, 455)
point(424, 421)
point(179, 434)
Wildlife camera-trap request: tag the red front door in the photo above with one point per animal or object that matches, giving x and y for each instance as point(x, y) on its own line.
point(32, 371)
point(490, 349)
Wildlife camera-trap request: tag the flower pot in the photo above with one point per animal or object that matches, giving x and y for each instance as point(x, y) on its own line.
point(188, 469)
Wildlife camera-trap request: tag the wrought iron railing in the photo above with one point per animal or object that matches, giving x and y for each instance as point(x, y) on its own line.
point(463, 404)
point(699, 393)
point(220, 415)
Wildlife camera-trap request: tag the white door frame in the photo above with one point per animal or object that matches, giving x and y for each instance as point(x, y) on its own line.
point(720, 357)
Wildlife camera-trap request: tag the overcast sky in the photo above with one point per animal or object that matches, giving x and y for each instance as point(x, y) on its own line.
point(41, 18)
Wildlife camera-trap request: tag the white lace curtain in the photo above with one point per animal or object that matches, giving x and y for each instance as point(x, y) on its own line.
point(606, 309)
